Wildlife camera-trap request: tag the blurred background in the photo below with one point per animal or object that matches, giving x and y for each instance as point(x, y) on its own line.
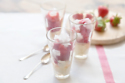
point(32, 6)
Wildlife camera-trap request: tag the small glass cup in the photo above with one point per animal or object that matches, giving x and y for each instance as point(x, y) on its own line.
point(53, 12)
point(61, 51)
point(83, 24)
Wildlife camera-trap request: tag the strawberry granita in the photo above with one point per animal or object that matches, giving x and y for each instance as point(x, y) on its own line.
point(61, 49)
point(84, 28)
point(53, 20)
point(53, 13)
point(78, 16)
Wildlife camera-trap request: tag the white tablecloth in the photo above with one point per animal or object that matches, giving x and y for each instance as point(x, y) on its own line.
point(24, 33)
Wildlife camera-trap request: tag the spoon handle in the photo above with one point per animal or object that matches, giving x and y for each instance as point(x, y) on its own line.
point(45, 49)
point(31, 72)
point(23, 58)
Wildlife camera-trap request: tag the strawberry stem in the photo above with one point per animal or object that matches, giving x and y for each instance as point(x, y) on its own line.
point(107, 20)
point(118, 16)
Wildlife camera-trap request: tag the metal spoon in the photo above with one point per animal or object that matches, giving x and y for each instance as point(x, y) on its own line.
point(45, 49)
point(44, 60)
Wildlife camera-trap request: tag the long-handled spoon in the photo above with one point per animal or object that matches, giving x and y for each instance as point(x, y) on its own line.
point(44, 60)
point(45, 49)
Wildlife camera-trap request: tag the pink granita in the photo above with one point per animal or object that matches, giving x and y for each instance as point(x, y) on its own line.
point(53, 20)
point(62, 49)
point(83, 31)
point(78, 16)
point(89, 16)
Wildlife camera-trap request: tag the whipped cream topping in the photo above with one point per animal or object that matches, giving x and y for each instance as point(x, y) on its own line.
point(88, 23)
point(79, 36)
point(56, 52)
point(63, 38)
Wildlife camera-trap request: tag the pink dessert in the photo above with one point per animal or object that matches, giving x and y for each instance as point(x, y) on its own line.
point(78, 16)
point(62, 53)
point(83, 36)
point(89, 16)
point(84, 31)
point(53, 20)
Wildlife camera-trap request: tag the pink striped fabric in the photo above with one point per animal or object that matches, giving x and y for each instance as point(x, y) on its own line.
point(105, 65)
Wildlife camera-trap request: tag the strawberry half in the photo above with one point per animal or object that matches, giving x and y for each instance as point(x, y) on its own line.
point(100, 24)
point(115, 20)
point(102, 11)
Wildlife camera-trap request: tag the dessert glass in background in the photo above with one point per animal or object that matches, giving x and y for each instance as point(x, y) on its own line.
point(61, 45)
point(83, 24)
point(53, 13)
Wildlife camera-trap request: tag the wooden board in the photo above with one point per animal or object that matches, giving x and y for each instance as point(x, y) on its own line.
point(112, 34)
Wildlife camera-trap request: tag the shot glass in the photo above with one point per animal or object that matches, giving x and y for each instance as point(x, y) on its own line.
point(61, 45)
point(83, 24)
point(53, 12)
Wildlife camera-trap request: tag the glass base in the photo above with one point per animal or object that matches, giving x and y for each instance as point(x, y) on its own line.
point(81, 56)
point(61, 76)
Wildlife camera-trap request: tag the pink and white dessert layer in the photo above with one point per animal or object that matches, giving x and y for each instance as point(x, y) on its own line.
point(53, 20)
point(62, 53)
point(84, 29)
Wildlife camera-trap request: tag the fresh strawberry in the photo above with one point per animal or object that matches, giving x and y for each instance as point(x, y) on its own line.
point(102, 11)
point(78, 16)
point(115, 20)
point(100, 24)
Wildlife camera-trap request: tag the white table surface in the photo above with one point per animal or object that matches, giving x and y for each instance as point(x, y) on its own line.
point(24, 33)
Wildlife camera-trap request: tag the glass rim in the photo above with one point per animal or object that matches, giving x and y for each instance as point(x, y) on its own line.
point(82, 24)
point(52, 40)
point(64, 5)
